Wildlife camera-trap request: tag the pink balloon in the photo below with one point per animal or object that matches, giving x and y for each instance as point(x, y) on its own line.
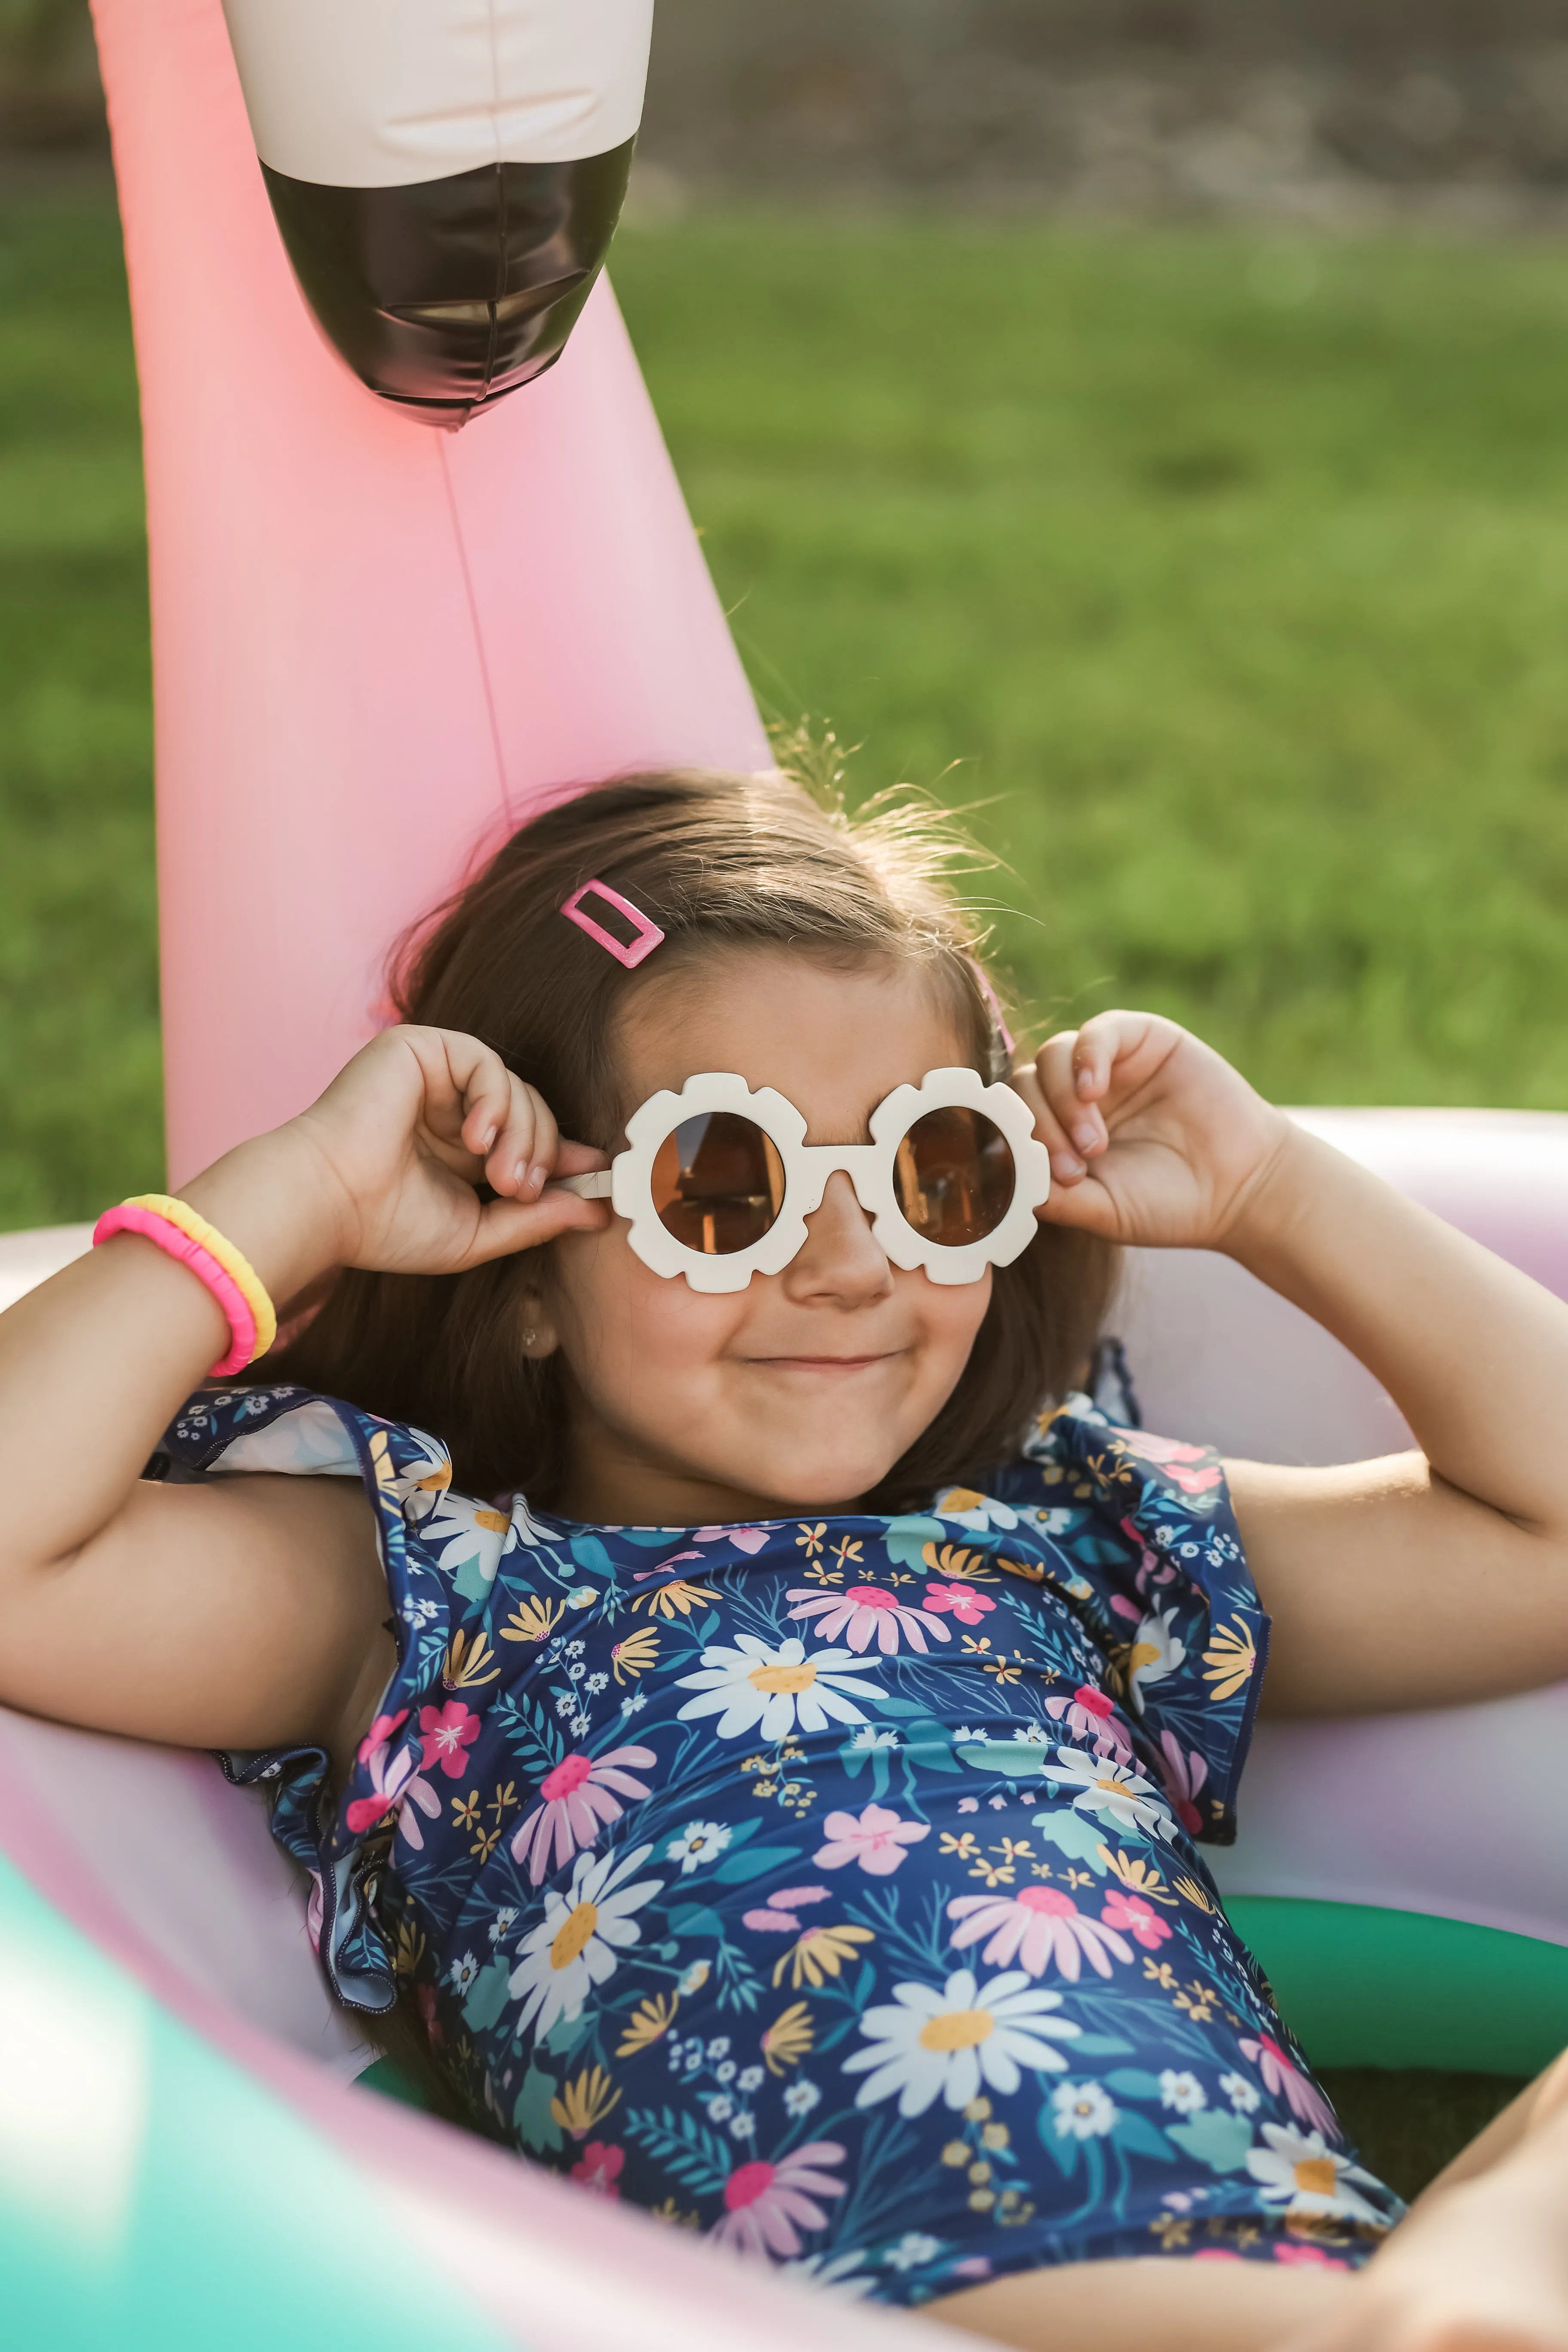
point(376, 646)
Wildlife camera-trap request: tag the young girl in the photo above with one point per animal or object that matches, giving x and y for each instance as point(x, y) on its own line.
point(756, 1719)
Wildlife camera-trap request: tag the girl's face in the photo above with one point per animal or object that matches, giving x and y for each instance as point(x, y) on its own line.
point(803, 1390)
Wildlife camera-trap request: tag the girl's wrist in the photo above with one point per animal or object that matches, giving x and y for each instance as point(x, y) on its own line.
point(1273, 1211)
point(280, 1202)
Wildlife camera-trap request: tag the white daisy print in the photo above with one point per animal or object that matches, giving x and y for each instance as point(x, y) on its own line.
point(1182, 2090)
point(1108, 1789)
point(1299, 2172)
point(1082, 2110)
point(1157, 1651)
point(1244, 2096)
point(927, 2043)
point(574, 1945)
point(699, 1842)
point(756, 1687)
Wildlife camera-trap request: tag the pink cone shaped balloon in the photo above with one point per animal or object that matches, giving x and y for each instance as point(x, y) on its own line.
point(375, 645)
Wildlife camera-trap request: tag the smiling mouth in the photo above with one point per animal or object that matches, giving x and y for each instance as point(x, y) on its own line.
point(823, 1363)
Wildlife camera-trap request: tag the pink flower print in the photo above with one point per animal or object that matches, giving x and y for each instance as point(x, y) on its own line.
point(1281, 2075)
point(767, 2205)
point(599, 2168)
point(960, 1601)
point(575, 1803)
point(1187, 1466)
point(876, 1840)
point(778, 1917)
point(450, 1732)
point(1183, 1777)
point(1136, 1917)
point(1091, 1718)
point(1311, 2258)
point(431, 2015)
point(746, 1539)
point(864, 1610)
point(393, 1779)
point(1035, 1926)
point(380, 1733)
point(315, 1911)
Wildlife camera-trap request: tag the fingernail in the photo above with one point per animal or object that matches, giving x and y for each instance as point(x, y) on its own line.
point(536, 1179)
point(1084, 1080)
point(1086, 1135)
point(486, 1142)
point(520, 1175)
point(1066, 1163)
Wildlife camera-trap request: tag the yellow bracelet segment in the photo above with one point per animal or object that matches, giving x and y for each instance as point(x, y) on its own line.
point(237, 1267)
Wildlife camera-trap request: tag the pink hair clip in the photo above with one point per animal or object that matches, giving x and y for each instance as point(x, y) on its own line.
point(628, 952)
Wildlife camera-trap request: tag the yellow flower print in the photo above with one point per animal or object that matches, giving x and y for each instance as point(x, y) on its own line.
point(846, 1551)
point(810, 1538)
point(1025, 1568)
point(484, 1844)
point(676, 1599)
point(1162, 1973)
point(1229, 1660)
point(788, 2039)
point(1137, 1876)
point(470, 1662)
point(1008, 1671)
point(1194, 1893)
point(960, 1844)
point(533, 1620)
point(504, 1802)
point(409, 1950)
point(953, 1559)
point(636, 1654)
point(648, 2023)
point(820, 1953)
point(670, 2211)
point(466, 1811)
point(1172, 2231)
point(820, 1573)
point(584, 2102)
point(992, 1875)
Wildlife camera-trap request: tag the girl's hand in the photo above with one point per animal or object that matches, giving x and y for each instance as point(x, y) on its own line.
point(1153, 1138)
point(381, 1172)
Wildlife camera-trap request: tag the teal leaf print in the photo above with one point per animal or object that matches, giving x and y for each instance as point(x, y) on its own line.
point(906, 1540)
point(694, 1919)
point(1219, 2140)
point(1075, 1836)
point(531, 2118)
point(1131, 2082)
point(737, 1868)
point(695, 2154)
point(486, 1996)
point(1018, 1759)
point(1140, 2138)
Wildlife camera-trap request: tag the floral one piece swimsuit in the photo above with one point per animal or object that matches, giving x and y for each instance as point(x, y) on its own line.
point(831, 1886)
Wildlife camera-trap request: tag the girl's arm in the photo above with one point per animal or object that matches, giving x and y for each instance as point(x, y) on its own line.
point(245, 1611)
point(1418, 1581)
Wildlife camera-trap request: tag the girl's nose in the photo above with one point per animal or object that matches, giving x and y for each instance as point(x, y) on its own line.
point(842, 1259)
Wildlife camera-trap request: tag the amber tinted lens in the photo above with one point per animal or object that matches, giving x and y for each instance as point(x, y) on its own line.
point(953, 1177)
point(718, 1183)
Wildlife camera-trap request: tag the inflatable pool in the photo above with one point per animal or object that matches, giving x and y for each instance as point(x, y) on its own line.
point(376, 644)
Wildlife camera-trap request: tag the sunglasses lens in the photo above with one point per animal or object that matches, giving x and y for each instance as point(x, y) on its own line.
point(718, 1183)
point(953, 1177)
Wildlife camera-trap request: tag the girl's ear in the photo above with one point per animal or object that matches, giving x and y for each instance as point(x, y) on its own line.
point(537, 1329)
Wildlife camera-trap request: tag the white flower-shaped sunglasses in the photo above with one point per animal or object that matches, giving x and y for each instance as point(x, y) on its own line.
point(717, 1182)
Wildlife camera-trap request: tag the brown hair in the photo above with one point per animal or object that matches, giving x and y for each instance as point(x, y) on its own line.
point(716, 861)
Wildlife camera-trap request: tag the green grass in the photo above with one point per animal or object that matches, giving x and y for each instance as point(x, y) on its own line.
point(1235, 582)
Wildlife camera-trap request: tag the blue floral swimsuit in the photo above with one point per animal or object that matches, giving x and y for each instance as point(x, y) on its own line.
point(830, 1886)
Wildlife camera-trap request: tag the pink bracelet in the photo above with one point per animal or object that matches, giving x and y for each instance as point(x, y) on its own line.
point(131, 1217)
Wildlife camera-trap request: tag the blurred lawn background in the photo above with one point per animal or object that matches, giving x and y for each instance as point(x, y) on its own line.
point(1226, 577)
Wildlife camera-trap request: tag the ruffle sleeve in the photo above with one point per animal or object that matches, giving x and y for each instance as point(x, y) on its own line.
point(342, 1838)
point(1160, 1554)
